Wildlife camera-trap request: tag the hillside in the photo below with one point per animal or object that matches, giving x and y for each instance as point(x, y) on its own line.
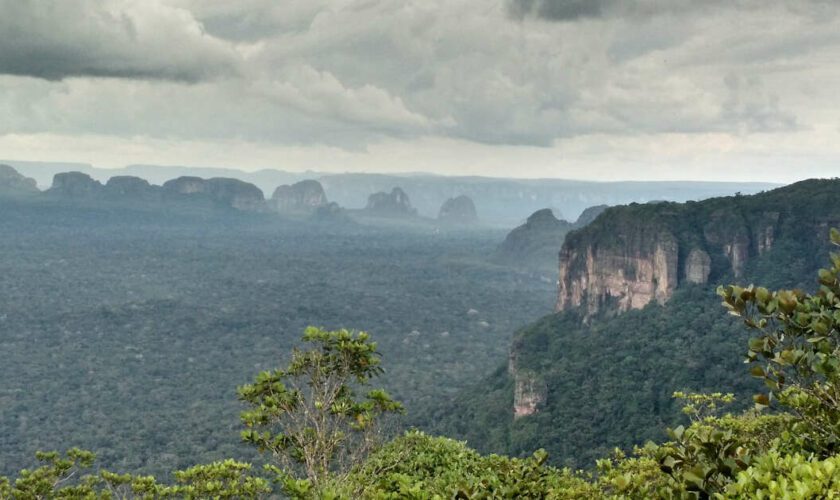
point(635, 322)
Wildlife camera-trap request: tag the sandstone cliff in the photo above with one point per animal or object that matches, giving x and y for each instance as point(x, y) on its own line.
point(637, 254)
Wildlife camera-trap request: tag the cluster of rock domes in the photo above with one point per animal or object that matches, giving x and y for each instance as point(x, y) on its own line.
point(306, 197)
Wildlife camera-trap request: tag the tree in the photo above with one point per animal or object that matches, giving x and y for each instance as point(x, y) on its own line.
point(797, 352)
point(308, 415)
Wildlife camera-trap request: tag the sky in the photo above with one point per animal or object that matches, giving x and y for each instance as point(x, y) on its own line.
point(582, 89)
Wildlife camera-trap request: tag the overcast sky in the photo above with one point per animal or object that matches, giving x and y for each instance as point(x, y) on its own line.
point(598, 89)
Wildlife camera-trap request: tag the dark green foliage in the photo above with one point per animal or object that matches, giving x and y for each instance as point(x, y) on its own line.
point(309, 415)
point(610, 379)
point(127, 330)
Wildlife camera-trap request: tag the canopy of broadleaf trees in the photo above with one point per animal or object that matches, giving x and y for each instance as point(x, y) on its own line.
point(319, 422)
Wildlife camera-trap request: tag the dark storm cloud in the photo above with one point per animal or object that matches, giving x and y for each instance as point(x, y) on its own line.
point(558, 10)
point(56, 39)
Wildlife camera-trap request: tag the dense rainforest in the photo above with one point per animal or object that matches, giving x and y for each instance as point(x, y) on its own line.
point(112, 312)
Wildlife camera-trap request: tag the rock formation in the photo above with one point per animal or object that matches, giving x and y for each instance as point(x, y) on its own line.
point(633, 255)
point(303, 196)
point(13, 183)
point(393, 204)
point(129, 188)
point(530, 393)
point(331, 212)
point(458, 210)
point(219, 191)
point(74, 185)
point(698, 266)
point(535, 244)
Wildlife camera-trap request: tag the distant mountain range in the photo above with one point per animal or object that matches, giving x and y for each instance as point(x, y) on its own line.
point(498, 202)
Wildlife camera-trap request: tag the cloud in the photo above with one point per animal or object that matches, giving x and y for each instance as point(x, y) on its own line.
point(56, 39)
point(558, 10)
point(355, 74)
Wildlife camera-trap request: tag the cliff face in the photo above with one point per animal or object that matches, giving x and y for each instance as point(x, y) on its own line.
point(633, 255)
point(622, 277)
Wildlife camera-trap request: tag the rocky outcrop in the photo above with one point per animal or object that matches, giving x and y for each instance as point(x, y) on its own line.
point(530, 393)
point(458, 210)
point(619, 278)
point(633, 255)
point(74, 185)
point(219, 191)
point(13, 183)
point(303, 196)
point(129, 188)
point(393, 204)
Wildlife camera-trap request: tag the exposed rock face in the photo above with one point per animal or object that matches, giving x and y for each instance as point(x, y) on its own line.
point(74, 185)
point(633, 255)
point(303, 196)
point(226, 192)
point(393, 204)
point(529, 395)
point(618, 278)
point(698, 266)
point(13, 183)
point(458, 210)
point(126, 187)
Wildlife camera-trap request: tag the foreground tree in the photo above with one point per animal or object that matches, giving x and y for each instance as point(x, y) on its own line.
point(309, 417)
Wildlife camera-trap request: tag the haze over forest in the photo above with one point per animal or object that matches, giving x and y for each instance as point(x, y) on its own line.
point(419, 249)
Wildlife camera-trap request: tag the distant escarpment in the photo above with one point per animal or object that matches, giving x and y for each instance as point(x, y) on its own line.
point(535, 244)
point(458, 210)
point(393, 204)
point(304, 196)
point(219, 191)
point(14, 184)
point(633, 255)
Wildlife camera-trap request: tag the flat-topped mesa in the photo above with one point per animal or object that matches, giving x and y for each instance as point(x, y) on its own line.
point(74, 185)
point(303, 196)
point(13, 183)
point(393, 204)
point(232, 193)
